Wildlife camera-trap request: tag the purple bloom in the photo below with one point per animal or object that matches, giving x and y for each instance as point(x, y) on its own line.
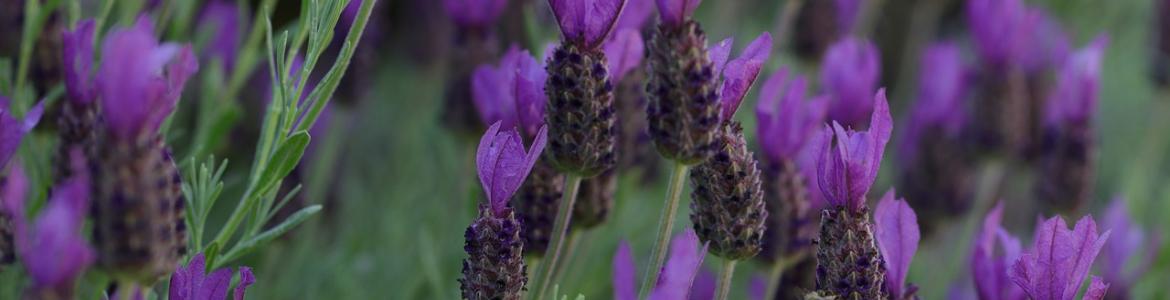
point(740, 73)
point(222, 21)
point(849, 159)
point(850, 76)
point(897, 237)
point(586, 22)
point(989, 267)
point(624, 52)
point(997, 28)
point(1123, 247)
point(12, 130)
point(1056, 266)
point(678, 274)
point(1074, 100)
point(704, 285)
point(474, 13)
point(512, 93)
point(786, 122)
point(941, 91)
point(77, 49)
point(502, 163)
point(635, 14)
point(140, 80)
point(675, 12)
point(191, 283)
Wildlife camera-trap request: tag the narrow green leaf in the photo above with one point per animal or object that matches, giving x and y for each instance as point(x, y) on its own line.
point(287, 156)
point(263, 238)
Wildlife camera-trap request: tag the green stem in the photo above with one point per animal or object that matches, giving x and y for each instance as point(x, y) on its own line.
point(571, 253)
point(665, 223)
point(560, 226)
point(724, 287)
point(774, 277)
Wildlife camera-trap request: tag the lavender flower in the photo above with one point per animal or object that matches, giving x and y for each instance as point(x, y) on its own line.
point(989, 267)
point(221, 22)
point(1128, 254)
point(850, 77)
point(79, 115)
point(12, 131)
point(191, 283)
point(682, 89)
point(850, 159)
point(1068, 150)
point(675, 280)
point(1056, 266)
point(786, 121)
point(581, 114)
point(494, 268)
point(996, 27)
point(897, 237)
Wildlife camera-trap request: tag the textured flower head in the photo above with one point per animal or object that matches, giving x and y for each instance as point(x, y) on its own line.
point(221, 20)
point(675, 12)
point(1074, 100)
point(674, 282)
point(192, 283)
point(897, 237)
point(140, 80)
point(989, 267)
point(740, 73)
point(52, 248)
point(1127, 246)
point(1060, 258)
point(77, 52)
point(586, 22)
point(849, 159)
point(850, 76)
point(786, 122)
point(624, 52)
point(511, 93)
point(942, 87)
point(12, 130)
point(503, 164)
point(475, 13)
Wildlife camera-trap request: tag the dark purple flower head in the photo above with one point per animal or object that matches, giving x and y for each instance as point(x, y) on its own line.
point(941, 91)
point(1128, 243)
point(221, 20)
point(635, 14)
point(503, 164)
point(140, 80)
point(77, 49)
point(1074, 100)
point(624, 51)
point(475, 13)
point(786, 122)
point(676, 278)
point(1056, 266)
point(989, 267)
point(739, 74)
point(586, 22)
point(191, 282)
point(849, 159)
point(897, 237)
point(675, 12)
point(511, 93)
point(12, 130)
point(850, 76)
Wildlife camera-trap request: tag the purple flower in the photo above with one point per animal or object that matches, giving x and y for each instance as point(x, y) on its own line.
point(786, 122)
point(1074, 100)
point(1056, 266)
point(941, 91)
point(850, 76)
point(849, 159)
point(474, 13)
point(77, 49)
point(586, 22)
point(997, 28)
point(1044, 45)
point(847, 11)
point(635, 14)
point(140, 80)
point(222, 21)
point(675, 12)
point(12, 130)
point(1123, 247)
point(740, 73)
point(512, 93)
point(704, 285)
point(624, 52)
point(678, 274)
point(897, 237)
point(503, 164)
point(989, 267)
point(191, 283)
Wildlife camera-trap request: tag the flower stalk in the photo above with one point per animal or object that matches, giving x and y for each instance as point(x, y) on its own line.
point(724, 287)
point(560, 227)
point(665, 223)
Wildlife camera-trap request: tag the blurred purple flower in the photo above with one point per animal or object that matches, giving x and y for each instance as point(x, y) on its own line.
point(847, 13)
point(704, 285)
point(896, 228)
point(1123, 247)
point(140, 80)
point(941, 91)
point(511, 93)
point(989, 268)
point(12, 130)
point(191, 283)
point(77, 49)
point(221, 20)
point(635, 14)
point(787, 123)
point(675, 12)
point(586, 22)
point(624, 52)
point(849, 159)
point(474, 13)
point(502, 163)
point(677, 276)
point(1044, 45)
point(740, 73)
point(1074, 99)
point(850, 76)
point(1056, 266)
point(997, 28)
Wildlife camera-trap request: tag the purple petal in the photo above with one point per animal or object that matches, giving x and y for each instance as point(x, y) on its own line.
point(704, 286)
point(246, 279)
point(11, 132)
point(719, 54)
point(601, 18)
point(529, 93)
point(570, 15)
point(674, 282)
point(881, 126)
point(1086, 247)
point(897, 237)
point(624, 53)
point(586, 21)
point(850, 75)
point(768, 115)
point(1126, 240)
point(624, 287)
point(486, 157)
point(941, 95)
point(474, 13)
point(215, 285)
point(635, 14)
point(135, 98)
point(77, 50)
point(13, 191)
point(1097, 289)
point(742, 72)
point(1075, 97)
point(492, 97)
point(674, 12)
point(186, 279)
point(996, 29)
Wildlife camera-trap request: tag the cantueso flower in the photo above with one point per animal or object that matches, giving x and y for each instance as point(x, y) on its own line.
point(678, 274)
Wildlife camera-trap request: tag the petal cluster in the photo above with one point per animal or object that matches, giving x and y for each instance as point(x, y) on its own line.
point(849, 159)
point(624, 52)
point(502, 163)
point(897, 238)
point(77, 50)
point(850, 76)
point(740, 73)
point(995, 250)
point(786, 122)
point(586, 22)
point(192, 283)
point(676, 278)
point(511, 93)
point(474, 13)
point(1074, 99)
point(52, 248)
point(12, 130)
point(1060, 258)
point(1009, 33)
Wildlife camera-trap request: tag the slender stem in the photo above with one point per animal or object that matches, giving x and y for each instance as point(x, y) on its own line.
point(784, 25)
point(570, 254)
point(724, 287)
point(774, 275)
point(560, 226)
point(665, 223)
